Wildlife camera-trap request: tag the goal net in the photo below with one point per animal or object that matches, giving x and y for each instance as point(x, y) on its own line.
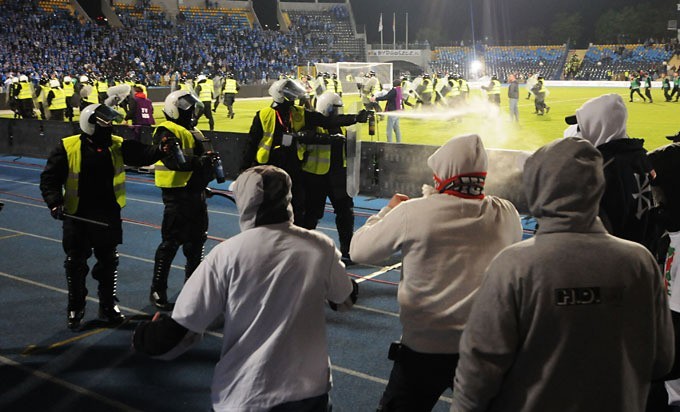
point(352, 74)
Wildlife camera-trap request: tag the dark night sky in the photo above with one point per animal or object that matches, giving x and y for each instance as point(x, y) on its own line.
point(499, 19)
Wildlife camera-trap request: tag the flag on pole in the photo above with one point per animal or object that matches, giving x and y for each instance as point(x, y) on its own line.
point(380, 24)
point(394, 30)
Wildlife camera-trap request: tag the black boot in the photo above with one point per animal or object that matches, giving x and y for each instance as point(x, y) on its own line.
point(194, 255)
point(159, 284)
point(106, 272)
point(76, 270)
point(110, 313)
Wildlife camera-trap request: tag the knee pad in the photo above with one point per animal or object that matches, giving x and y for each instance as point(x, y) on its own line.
point(107, 257)
point(76, 265)
point(168, 248)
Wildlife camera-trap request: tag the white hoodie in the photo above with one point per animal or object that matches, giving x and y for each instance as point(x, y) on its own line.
point(446, 242)
point(271, 283)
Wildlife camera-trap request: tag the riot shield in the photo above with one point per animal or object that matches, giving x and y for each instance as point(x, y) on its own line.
point(353, 159)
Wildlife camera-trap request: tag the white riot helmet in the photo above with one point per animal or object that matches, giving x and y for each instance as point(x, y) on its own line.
point(67, 79)
point(54, 83)
point(286, 90)
point(181, 100)
point(23, 78)
point(84, 79)
point(117, 94)
point(15, 79)
point(201, 77)
point(97, 114)
point(329, 104)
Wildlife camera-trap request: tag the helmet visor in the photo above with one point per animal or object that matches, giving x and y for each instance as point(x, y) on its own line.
point(292, 90)
point(104, 116)
point(185, 103)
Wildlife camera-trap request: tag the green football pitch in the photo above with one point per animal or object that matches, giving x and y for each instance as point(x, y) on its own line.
point(650, 121)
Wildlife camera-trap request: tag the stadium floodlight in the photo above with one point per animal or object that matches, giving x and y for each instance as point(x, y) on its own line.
point(475, 66)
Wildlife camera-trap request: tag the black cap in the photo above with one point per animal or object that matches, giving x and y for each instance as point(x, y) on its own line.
point(571, 119)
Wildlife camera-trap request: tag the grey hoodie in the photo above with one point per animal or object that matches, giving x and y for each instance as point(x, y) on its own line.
point(263, 197)
point(573, 319)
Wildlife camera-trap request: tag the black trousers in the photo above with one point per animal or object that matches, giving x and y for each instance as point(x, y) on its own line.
point(633, 91)
point(417, 381)
point(334, 186)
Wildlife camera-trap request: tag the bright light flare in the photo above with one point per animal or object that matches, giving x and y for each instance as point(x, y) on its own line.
point(475, 66)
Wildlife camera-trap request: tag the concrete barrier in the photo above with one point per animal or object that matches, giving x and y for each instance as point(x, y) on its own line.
point(386, 168)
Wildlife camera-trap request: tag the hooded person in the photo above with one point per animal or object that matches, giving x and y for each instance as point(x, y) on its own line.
point(666, 187)
point(274, 137)
point(627, 200)
point(446, 239)
point(541, 332)
point(83, 184)
point(270, 283)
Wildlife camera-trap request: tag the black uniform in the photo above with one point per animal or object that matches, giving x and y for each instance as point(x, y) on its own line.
point(334, 186)
point(97, 202)
point(666, 86)
point(185, 217)
point(206, 105)
point(24, 106)
point(648, 88)
point(539, 100)
point(286, 157)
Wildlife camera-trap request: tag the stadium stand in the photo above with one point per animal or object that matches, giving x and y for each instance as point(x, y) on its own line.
point(50, 6)
point(545, 60)
point(501, 60)
point(454, 60)
point(328, 32)
point(51, 38)
point(603, 62)
point(231, 18)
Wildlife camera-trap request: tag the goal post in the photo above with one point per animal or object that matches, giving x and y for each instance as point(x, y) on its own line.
point(352, 73)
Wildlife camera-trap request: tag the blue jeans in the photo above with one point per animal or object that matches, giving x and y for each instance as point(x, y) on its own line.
point(393, 124)
point(514, 110)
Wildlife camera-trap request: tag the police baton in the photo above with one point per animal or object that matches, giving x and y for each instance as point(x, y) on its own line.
point(82, 219)
point(212, 192)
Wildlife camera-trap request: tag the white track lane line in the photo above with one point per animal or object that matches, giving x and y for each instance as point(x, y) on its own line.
point(40, 375)
point(340, 369)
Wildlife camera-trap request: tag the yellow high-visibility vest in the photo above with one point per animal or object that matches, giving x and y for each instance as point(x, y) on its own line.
point(268, 119)
point(25, 92)
point(165, 177)
point(59, 100)
point(92, 97)
point(206, 94)
point(68, 89)
point(102, 86)
point(230, 86)
point(496, 89)
point(318, 159)
point(72, 145)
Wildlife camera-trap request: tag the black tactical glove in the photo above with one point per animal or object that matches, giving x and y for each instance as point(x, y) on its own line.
point(355, 291)
point(57, 212)
point(167, 143)
point(362, 116)
point(305, 136)
point(352, 296)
